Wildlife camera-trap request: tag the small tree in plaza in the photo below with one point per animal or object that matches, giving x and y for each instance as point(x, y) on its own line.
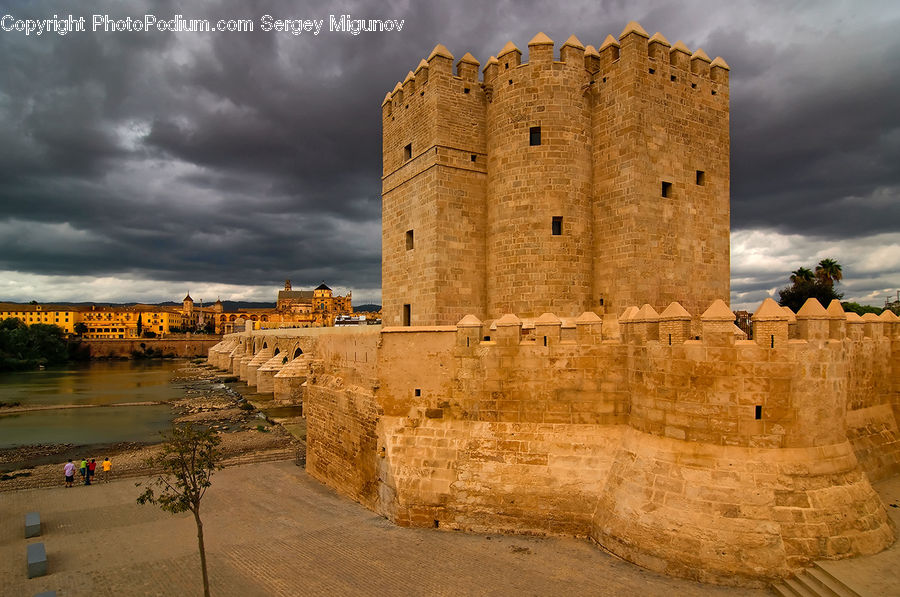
point(188, 459)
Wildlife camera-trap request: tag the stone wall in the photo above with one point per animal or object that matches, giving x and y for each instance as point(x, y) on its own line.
point(716, 459)
point(659, 115)
point(195, 346)
point(736, 515)
point(341, 415)
point(737, 449)
point(433, 192)
point(872, 393)
point(494, 476)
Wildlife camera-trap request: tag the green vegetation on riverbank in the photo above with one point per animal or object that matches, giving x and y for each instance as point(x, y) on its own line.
point(24, 346)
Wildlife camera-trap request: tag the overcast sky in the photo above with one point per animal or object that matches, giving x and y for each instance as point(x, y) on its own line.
point(137, 166)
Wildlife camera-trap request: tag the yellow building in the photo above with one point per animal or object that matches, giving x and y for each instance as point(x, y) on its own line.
point(320, 306)
point(110, 322)
point(63, 316)
point(294, 308)
point(131, 322)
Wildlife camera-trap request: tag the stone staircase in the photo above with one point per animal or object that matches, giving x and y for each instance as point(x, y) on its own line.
point(263, 456)
point(814, 582)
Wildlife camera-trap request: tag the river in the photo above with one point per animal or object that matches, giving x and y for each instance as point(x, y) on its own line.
point(81, 399)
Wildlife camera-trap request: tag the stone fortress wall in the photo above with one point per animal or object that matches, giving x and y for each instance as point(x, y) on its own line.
point(719, 459)
point(470, 197)
point(659, 431)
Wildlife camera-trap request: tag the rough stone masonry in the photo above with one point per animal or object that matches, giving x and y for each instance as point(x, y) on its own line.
point(558, 357)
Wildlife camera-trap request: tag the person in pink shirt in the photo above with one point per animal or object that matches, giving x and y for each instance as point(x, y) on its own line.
point(69, 470)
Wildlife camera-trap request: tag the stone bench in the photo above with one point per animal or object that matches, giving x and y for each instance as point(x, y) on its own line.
point(37, 560)
point(32, 525)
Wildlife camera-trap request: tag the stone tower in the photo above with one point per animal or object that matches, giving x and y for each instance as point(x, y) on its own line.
point(187, 305)
point(585, 183)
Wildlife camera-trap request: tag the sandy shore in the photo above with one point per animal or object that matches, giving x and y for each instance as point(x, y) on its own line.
point(205, 399)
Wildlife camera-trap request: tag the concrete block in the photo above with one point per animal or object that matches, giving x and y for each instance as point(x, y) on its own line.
point(37, 560)
point(32, 524)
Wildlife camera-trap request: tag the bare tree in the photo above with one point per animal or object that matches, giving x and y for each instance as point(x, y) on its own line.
point(188, 459)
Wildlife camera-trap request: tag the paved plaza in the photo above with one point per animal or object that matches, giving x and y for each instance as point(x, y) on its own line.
point(272, 530)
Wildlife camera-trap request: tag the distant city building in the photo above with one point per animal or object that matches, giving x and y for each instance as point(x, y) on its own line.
point(102, 322)
point(63, 316)
point(319, 307)
point(293, 309)
point(131, 322)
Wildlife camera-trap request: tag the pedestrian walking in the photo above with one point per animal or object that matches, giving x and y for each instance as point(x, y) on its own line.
point(69, 470)
point(92, 467)
point(83, 469)
point(106, 468)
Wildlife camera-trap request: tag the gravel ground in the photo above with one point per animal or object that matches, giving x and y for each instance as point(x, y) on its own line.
point(245, 437)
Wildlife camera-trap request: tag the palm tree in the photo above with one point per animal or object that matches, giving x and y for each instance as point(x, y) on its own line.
point(828, 272)
point(802, 274)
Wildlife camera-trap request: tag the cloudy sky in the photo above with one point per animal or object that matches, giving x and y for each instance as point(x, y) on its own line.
point(137, 166)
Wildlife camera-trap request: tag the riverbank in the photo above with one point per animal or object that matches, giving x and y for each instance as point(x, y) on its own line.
point(205, 398)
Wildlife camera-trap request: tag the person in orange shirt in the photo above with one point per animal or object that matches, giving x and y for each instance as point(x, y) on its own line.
point(107, 467)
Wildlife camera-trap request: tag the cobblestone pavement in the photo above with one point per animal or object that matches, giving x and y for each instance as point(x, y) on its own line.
point(272, 530)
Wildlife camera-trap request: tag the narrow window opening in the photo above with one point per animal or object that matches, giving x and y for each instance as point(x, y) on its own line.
point(507, 65)
point(418, 392)
point(422, 93)
point(772, 341)
point(407, 152)
point(534, 135)
point(487, 338)
point(406, 315)
point(652, 71)
point(510, 81)
point(701, 178)
point(713, 91)
point(670, 339)
point(410, 241)
point(467, 342)
point(601, 302)
point(474, 157)
point(693, 86)
point(465, 90)
point(673, 78)
point(545, 340)
point(604, 79)
point(437, 524)
point(758, 412)
point(556, 226)
point(666, 189)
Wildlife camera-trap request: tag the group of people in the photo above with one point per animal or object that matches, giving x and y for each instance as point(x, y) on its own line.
point(87, 470)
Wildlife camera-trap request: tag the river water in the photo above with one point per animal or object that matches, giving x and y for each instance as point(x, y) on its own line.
point(99, 384)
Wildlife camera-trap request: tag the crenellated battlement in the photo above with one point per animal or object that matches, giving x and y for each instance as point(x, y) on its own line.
point(632, 42)
point(643, 325)
point(481, 424)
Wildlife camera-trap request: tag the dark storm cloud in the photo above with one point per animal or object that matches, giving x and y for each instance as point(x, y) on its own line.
point(815, 140)
point(246, 158)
